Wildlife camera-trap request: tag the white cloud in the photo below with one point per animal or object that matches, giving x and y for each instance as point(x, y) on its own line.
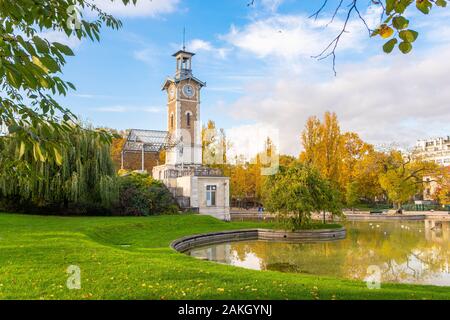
point(143, 8)
point(145, 55)
point(292, 36)
point(393, 98)
point(271, 5)
point(197, 45)
point(150, 54)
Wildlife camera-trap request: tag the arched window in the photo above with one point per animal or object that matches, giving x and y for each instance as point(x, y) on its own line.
point(188, 119)
point(171, 121)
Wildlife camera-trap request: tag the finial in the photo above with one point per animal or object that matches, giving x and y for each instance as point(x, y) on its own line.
point(184, 39)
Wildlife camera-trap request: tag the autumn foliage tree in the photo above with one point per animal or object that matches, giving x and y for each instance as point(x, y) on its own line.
point(403, 177)
point(442, 180)
point(333, 153)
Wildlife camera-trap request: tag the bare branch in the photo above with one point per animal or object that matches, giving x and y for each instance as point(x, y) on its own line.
point(316, 14)
point(330, 50)
point(335, 12)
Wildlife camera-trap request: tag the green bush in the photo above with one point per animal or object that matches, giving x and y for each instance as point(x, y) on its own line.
point(141, 195)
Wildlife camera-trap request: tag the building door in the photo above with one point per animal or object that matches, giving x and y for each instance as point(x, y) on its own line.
point(211, 196)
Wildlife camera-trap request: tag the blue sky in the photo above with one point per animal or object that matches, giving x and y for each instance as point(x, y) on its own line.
point(259, 71)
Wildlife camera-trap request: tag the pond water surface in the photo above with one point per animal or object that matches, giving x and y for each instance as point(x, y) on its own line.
point(404, 252)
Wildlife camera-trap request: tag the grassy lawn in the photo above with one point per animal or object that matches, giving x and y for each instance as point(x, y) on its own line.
point(35, 252)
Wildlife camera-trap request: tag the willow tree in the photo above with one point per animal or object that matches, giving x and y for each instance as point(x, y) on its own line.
point(298, 191)
point(81, 175)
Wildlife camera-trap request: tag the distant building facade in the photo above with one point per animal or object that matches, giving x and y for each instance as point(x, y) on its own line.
point(435, 150)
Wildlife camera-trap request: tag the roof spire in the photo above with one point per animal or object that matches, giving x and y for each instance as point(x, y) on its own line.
point(184, 39)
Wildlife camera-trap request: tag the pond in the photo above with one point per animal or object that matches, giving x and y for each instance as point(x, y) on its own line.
point(404, 252)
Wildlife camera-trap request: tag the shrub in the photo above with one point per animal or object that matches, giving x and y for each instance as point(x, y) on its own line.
point(141, 195)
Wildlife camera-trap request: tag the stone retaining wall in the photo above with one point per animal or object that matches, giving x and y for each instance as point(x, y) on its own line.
point(190, 242)
point(374, 217)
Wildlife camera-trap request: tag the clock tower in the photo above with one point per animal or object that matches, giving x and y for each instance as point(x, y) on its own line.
point(195, 187)
point(183, 103)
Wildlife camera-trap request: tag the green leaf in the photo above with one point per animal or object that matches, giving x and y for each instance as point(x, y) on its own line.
point(424, 6)
point(405, 47)
point(14, 78)
point(389, 6)
point(63, 48)
point(41, 45)
point(441, 3)
point(50, 64)
point(408, 35)
point(389, 46)
point(71, 85)
point(400, 23)
point(14, 128)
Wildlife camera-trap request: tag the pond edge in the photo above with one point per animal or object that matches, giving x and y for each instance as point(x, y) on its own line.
point(190, 242)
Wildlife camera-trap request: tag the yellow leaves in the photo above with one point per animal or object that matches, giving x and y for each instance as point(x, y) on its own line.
point(21, 149)
point(37, 152)
point(386, 31)
point(38, 62)
point(220, 290)
point(58, 157)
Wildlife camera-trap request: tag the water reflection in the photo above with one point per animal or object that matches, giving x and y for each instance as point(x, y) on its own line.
point(406, 252)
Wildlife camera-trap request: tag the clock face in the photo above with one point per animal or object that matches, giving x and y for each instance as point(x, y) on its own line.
point(188, 91)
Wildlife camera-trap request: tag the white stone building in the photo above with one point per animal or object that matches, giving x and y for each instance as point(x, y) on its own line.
point(436, 150)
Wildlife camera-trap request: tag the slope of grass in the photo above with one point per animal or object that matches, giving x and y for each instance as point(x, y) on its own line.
point(130, 258)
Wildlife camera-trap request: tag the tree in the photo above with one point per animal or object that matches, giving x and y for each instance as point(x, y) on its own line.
point(366, 173)
point(353, 150)
point(442, 193)
point(322, 146)
point(298, 191)
point(352, 195)
point(403, 177)
point(31, 66)
point(82, 176)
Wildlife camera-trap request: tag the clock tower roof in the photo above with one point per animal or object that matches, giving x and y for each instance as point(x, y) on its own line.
point(183, 53)
point(183, 70)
